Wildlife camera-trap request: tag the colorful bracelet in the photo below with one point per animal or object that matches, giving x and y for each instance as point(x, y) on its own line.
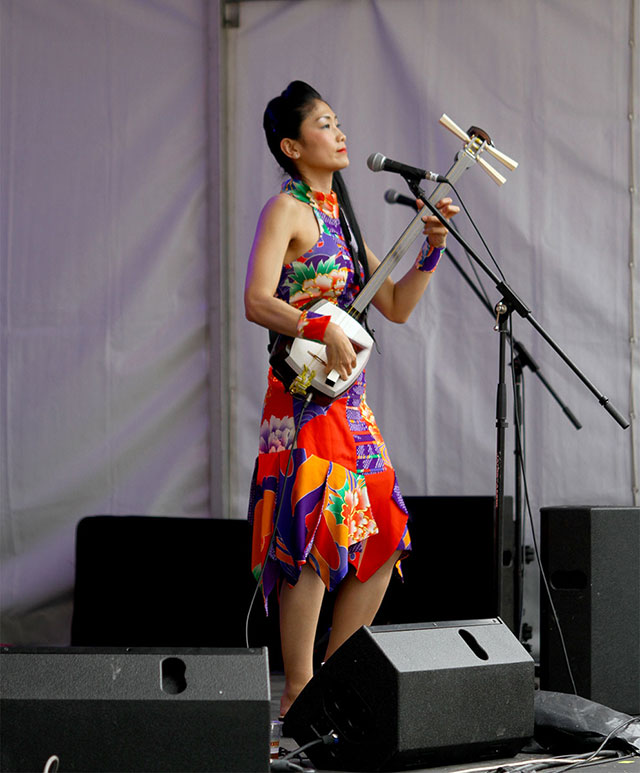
point(312, 326)
point(429, 256)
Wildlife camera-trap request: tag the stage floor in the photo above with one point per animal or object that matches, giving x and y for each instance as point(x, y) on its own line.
point(504, 766)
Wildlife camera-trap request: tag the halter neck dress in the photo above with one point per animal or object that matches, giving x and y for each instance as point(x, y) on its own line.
point(339, 504)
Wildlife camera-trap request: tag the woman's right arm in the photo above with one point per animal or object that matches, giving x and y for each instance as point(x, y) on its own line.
point(275, 231)
point(278, 226)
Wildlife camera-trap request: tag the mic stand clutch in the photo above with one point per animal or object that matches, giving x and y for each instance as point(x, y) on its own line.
point(509, 303)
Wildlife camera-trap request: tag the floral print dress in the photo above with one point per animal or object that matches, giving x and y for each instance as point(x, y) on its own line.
point(335, 495)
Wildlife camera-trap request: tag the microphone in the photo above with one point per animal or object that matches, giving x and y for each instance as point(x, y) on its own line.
point(393, 197)
point(378, 163)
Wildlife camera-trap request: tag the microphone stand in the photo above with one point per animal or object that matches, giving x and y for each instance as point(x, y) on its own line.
point(509, 303)
point(521, 360)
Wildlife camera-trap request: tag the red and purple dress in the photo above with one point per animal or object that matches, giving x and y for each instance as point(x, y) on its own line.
point(340, 504)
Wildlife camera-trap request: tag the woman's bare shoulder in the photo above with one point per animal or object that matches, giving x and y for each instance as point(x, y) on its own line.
point(281, 211)
point(283, 204)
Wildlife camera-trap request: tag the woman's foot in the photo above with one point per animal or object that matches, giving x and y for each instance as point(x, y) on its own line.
point(288, 697)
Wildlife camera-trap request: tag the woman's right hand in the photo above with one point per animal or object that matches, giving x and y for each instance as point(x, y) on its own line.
point(341, 355)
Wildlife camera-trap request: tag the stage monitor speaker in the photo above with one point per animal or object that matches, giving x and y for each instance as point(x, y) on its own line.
point(178, 584)
point(591, 557)
point(416, 695)
point(135, 709)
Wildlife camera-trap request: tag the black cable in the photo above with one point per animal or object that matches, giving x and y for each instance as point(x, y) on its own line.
point(519, 440)
point(285, 765)
point(623, 758)
point(477, 230)
point(520, 458)
point(328, 740)
point(599, 761)
point(303, 748)
point(575, 760)
point(520, 461)
point(474, 268)
point(612, 734)
point(276, 519)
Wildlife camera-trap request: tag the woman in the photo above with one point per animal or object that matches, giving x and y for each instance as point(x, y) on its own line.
point(341, 520)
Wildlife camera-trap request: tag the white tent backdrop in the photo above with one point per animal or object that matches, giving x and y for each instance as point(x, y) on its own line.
point(104, 283)
point(109, 259)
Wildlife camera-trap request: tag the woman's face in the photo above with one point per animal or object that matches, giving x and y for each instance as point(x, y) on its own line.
point(322, 143)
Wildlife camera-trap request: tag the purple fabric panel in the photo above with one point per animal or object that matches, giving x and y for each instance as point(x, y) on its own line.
point(103, 358)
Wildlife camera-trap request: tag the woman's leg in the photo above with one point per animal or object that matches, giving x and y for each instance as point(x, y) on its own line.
point(299, 611)
point(357, 603)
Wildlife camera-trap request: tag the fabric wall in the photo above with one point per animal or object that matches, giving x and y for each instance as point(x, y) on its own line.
point(104, 282)
point(117, 394)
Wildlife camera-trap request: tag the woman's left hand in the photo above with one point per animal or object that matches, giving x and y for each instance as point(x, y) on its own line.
point(433, 228)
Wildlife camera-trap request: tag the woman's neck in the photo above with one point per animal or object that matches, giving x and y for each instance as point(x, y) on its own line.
point(301, 190)
point(319, 182)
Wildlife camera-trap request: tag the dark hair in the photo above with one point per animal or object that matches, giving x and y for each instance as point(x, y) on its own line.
point(351, 230)
point(282, 119)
